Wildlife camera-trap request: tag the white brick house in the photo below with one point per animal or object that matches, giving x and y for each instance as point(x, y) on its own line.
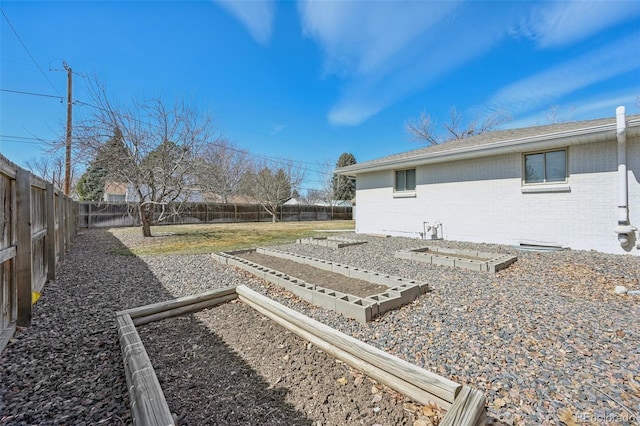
point(572, 184)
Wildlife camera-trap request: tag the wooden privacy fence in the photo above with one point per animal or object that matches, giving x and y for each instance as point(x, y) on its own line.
point(92, 214)
point(36, 225)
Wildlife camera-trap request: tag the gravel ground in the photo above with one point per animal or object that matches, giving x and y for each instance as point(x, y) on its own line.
point(545, 339)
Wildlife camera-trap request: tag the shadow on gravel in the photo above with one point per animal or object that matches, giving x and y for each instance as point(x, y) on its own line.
point(67, 367)
point(203, 379)
point(209, 382)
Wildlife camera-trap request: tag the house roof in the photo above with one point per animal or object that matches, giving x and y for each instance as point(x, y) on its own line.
point(500, 142)
point(115, 188)
point(234, 199)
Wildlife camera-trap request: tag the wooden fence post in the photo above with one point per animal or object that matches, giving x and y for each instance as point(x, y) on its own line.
point(67, 223)
point(23, 249)
point(50, 239)
point(60, 241)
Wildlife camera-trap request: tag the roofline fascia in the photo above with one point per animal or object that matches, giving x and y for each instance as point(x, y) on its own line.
point(531, 143)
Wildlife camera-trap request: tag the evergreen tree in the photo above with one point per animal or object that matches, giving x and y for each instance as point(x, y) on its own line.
point(344, 187)
point(90, 187)
point(91, 184)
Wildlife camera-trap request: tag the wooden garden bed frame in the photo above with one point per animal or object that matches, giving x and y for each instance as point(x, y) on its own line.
point(464, 405)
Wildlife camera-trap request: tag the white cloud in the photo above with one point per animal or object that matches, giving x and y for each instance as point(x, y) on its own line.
point(600, 106)
point(277, 128)
point(605, 106)
point(360, 37)
point(564, 22)
point(256, 16)
point(546, 87)
point(385, 52)
point(352, 114)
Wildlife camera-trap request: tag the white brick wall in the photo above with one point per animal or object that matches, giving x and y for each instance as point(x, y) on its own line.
point(481, 200)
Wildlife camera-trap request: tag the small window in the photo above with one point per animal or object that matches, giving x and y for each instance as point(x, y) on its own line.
point(545, 167)
point(405, 180)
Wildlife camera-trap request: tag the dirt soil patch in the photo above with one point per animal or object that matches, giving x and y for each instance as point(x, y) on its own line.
point(320, 277)
point(231, 365)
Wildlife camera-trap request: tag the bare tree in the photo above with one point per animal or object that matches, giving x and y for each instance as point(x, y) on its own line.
point(50, 168)
point(150, 146)
point(424, 128)
point(327, 188)
point(314, 196)
point(272, 184)
point(324, 193)
point(554, 115)
point(222, 169)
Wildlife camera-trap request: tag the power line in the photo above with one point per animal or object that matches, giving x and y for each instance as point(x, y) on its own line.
point(44, 95)
point(27, 50)
point(25, 140)
point(22, 137)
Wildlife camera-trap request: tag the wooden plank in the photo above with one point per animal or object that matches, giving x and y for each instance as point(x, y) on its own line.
point(482, 420)
point(7, 334)
point(50, 247)
point(432, 383)
point(38, 182)
point(147, 310)
point(38, 235)
point(23, 246)
point(74, 217)
point(60, 234)
point(13, 287)
point(7, 168)
point(415, 393)
point(467, 410)
point(184, 309)
point(7, 253)
point(67, 222)
point(148, 404)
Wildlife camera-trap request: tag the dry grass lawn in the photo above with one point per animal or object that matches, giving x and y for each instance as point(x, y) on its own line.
point(209, 238)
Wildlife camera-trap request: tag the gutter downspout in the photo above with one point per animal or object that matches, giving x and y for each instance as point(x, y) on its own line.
point(624, 229)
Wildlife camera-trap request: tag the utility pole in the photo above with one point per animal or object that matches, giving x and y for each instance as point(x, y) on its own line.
point(67, 171)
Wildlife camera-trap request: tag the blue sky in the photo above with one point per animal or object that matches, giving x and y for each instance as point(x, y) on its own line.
point(308, 81)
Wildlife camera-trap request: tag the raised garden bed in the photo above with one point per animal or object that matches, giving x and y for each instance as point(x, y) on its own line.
point(397, 291)
point(458, 258)
point(331, 242)
point(464, 405)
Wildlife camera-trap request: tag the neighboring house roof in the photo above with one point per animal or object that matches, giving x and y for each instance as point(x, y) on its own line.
point(292, 202)
point(500, 142)
point(115, 188)
point(234, 199)
point(334, 203)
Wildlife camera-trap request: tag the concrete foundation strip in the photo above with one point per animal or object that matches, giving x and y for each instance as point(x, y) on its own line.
point(465, 406)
